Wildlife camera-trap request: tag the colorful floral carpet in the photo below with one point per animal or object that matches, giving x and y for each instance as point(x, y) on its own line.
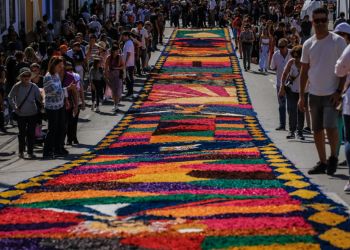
point(189, 167)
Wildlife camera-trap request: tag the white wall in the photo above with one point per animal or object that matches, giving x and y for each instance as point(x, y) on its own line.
point(343, 6)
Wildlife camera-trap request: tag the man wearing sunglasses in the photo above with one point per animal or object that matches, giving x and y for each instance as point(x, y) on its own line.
point(320, 54)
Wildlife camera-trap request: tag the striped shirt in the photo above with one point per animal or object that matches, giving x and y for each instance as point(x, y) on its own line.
point(91, 53)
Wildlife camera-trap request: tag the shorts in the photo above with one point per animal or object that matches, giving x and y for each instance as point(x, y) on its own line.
point(323, 113)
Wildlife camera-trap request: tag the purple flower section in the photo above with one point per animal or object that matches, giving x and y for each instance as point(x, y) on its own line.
point(164, 186)
point(146, 121)
point(100, 170)
point(27, 244)
point(234, 137)
point(36, 226)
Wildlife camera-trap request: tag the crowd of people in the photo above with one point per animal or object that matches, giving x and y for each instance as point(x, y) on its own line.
point(311, 69)
point(50, 77)
point(45, 79)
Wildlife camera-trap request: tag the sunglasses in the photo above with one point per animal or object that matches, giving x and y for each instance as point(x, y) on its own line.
point(320, 20)
point(26, 75)
point(282, 47)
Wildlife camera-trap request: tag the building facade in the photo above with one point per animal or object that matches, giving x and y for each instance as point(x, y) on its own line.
point(344, 6)
point(9, 15)
point(23, 14)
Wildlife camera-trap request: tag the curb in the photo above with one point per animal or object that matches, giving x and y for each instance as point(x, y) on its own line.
point(8, 141)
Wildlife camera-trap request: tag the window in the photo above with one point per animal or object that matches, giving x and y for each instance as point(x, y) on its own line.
point(3, 24)
point(12, 8)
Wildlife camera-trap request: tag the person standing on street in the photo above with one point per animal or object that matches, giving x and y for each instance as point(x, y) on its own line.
point(306, 27)
point(96, 82)
point(340, 19)
point(55, 96)
point(264, 51)
point(113, 71)
point(212, 12)
point(129, 61)
point(342, 69)
point(2, 98)
point(342, 30)
point(290, 88)
point(143, 34)
point(155, 29)
point(278, 62)
point(71, 104)
point(23, 98)
point(320, 54)
point(247, 39)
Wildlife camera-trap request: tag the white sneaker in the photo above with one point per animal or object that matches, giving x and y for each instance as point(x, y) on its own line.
point(92, 106)
point(114, 109)
point(347, 187)
point(97, 109)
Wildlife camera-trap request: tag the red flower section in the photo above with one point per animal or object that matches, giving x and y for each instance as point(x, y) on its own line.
point(165, 241)
point(30, 215)
point(86, 178)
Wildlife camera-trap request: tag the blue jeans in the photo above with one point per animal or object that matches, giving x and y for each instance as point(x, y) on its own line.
point(282, 108)
point(347, 138)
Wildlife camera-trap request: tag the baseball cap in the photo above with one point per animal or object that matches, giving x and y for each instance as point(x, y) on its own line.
point(342, 28)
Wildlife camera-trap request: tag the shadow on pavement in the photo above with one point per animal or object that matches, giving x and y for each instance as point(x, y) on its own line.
point(341, 177)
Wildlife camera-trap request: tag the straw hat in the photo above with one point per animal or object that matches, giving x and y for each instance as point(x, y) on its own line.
point(102, 45)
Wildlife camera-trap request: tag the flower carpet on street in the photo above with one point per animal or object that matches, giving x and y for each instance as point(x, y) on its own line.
point(188, 167)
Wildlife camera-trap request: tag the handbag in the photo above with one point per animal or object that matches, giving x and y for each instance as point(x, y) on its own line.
point(14, 114)
point(340, 105)
point(290, 80)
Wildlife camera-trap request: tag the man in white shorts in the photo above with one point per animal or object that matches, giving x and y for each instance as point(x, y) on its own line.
point(320, 54)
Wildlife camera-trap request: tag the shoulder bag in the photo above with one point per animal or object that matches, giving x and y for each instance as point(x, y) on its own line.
point(14, 114)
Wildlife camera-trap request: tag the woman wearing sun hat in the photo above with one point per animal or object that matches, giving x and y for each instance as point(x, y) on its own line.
point(23, 98)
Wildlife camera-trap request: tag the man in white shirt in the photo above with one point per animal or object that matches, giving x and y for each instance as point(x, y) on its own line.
point(342, 69)
point(320, 54)
point(143, 34)
point(95, 26)
point(279, 60)
point(129, 59)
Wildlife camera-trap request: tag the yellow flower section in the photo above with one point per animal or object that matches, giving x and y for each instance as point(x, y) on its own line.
point(164, 172)
point(164, 139)
point(212, 210)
